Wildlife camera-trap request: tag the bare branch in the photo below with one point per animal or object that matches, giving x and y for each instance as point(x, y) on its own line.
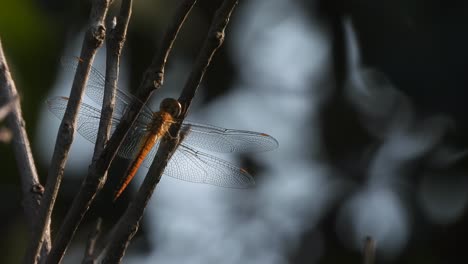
point(93, 40)
point(369, 250)
point(94, 182)
point(153, 79)
point(30, 185)
point(90, 256)
point(154, 75)
point(114, 41)
point(213, 41)
point(98, 169)
point(129, 222)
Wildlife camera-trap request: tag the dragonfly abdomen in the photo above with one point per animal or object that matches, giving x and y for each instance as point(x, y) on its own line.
point(147, 145)
point(157, 129)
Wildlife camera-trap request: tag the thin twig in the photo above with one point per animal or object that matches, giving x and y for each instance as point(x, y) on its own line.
point(31, 187)
point(93, 40)
point(369, 250)
point(115, 40)
point(97, 171)
point(154, 76)
point(213, 41)
point(129, 222)
point(90, 256)
point(153, 79)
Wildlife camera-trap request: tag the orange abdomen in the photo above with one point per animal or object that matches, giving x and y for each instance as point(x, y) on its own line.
point(161, 125)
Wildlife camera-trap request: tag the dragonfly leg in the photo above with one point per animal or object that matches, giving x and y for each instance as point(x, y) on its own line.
point(168, 134)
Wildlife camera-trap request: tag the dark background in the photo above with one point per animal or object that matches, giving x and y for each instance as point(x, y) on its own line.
point(420, 46)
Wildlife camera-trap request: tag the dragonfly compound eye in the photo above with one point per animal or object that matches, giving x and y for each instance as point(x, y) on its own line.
point(171, 106)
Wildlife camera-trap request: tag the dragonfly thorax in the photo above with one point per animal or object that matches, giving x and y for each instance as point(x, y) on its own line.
point(163, 119)
point(160, 123)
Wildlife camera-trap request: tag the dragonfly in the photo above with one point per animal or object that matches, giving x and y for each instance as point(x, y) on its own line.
point(188, 162)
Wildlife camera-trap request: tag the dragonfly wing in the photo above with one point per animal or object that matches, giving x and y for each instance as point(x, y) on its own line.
point(224, 140)
point(194, 166)
point(88, 117)
point(88, 125)
point(95, 90)
point(132, 143)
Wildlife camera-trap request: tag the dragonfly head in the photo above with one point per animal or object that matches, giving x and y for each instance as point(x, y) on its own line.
point(171, 106)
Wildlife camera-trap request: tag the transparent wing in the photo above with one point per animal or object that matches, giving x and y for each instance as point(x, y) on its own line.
point(88, 117)
point(224, 140)
point(194, 166)
point(88, 125)
point(207, 137)
point(95, 90)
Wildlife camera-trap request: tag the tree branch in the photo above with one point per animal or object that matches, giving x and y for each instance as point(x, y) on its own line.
point(129, 222)
point(93, 40)
point(114, 42)
point(97, 171)
point(90, 187)
point(153, 79)
point(213, 41)
point(90, 256)
point(369, 250)
point(31, 188)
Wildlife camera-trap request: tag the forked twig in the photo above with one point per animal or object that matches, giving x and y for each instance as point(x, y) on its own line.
point(129, 222)
point(97, 172)
point(73, 218)
point(31, 188)
point(93, 40)
point(115, 40)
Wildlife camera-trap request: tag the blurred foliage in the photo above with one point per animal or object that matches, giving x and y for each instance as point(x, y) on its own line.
point(30, 40)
